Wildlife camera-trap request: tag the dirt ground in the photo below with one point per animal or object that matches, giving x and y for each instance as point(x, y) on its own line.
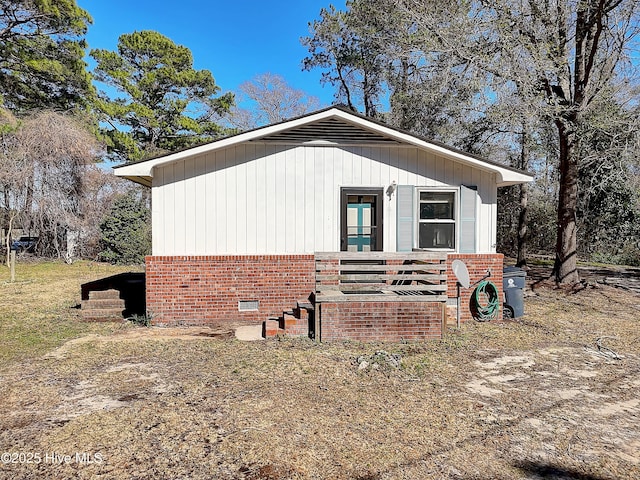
point(553, 395)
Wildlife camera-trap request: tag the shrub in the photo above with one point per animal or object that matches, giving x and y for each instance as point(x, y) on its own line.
point(126, 231)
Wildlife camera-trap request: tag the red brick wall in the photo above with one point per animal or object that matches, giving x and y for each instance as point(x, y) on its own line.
point(477, 264)
point(201, 290)
point(204, 290)
point(380, 321)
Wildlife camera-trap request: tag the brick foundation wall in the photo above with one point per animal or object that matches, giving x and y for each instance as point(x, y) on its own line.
point(381, 321)
point(205, 290)
point(477, 264)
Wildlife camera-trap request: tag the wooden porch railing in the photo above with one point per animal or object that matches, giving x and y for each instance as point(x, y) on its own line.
point(381, 277)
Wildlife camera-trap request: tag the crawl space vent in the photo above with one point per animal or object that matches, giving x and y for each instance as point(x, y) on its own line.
point(248, 305)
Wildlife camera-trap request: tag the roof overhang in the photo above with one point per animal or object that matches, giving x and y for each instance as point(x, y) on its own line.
point(300, 130)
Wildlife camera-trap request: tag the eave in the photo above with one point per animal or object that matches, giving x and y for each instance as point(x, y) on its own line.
point(328, 127)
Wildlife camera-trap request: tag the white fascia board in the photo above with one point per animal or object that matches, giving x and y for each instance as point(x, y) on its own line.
point(512, 178)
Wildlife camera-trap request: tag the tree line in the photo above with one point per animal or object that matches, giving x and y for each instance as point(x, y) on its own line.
point(550, 87)
point(57, 122)
point(546, 86)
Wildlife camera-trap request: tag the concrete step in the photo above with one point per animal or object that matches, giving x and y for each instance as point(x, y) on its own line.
point(249, 333)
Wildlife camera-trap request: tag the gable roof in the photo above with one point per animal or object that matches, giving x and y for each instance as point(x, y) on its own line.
point(331, 126)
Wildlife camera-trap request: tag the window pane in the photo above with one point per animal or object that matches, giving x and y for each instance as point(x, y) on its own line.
point(437, 235)
point(356, 199)
point(436, 211)
point(441, 197)
point(436, 206)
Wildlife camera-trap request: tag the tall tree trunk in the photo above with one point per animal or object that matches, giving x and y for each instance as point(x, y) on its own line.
point(523, 226)
point(399, 98)
point(524, 199)
point(369, 107)
point(565, 269)
point(12, 216)
point(28, 204)
point(7, 207)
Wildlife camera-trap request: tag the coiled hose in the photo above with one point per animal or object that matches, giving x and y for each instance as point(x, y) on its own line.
point(486, 303)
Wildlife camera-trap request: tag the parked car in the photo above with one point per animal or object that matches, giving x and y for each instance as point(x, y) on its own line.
point(25, 244)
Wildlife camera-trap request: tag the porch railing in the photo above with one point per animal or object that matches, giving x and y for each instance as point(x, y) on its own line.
point(381, 277)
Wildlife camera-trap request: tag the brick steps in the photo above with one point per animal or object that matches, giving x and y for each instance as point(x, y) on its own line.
point(271, 328)
point(102, 315)
point(102, 303)
point(293, 322)
point(103, 306)
point(104, 294)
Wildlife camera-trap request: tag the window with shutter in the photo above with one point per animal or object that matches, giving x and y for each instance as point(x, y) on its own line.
point(436, 218)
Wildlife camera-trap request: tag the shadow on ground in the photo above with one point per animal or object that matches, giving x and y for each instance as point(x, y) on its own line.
point(550, 471)
point(131, 286)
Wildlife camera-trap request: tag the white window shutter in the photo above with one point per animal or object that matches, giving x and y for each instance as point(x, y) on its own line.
point(468, 199)
point(405, 219)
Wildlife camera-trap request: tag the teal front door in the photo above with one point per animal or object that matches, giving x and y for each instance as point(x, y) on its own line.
point(361, 220)
point(359, 227)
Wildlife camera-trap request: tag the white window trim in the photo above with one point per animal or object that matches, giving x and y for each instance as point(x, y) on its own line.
point(455, 221)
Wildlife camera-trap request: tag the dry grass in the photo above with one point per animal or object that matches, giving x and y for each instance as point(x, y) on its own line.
point(526, 399)
point(39, 311)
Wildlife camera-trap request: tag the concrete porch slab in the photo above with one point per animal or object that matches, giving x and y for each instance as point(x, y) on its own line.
point(249, 333)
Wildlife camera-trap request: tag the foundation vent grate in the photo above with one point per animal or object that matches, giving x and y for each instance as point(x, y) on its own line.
point(248, 305)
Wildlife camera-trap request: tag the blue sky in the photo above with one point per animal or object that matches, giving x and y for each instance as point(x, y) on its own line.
point(235, 40)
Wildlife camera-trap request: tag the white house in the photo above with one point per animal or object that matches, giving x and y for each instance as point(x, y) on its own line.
point(236, 222)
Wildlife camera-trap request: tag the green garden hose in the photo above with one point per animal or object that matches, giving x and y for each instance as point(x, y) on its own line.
point(485, 302)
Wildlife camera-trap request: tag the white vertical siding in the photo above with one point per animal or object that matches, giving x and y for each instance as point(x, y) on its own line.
point(243, 211)
point(230, 226)
point(180, 202)
point(158, 212)
point(289, 191)
point(299, 213)
point(217, 210)
point(326, 197)
point(190, 214)
point(270, 176)
point(270, 199)
point(169, 210)
point(200, 211)
point(309, 204)
point(250, 212)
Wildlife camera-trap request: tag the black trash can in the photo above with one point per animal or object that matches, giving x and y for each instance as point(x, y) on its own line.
point(513, 280)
